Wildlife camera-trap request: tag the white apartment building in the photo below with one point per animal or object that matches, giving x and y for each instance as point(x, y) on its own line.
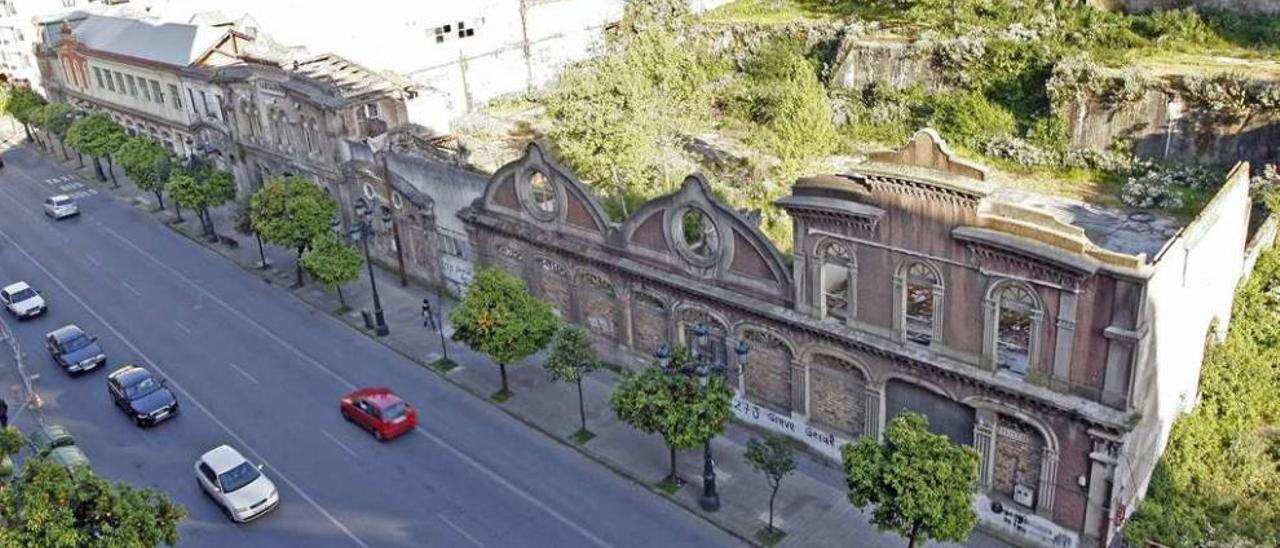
point(18, 35)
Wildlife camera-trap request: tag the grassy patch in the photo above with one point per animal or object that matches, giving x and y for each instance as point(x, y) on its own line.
point(670, 485)
point(786, 11)
point(501, 396)
point(341, 310)
point(770, 537)
point(443, 365)
point(581, 437)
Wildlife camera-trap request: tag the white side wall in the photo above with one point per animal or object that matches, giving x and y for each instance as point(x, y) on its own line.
point(1193, 285)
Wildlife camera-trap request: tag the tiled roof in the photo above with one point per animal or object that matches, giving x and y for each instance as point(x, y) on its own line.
point(352, 80)
point(170, 43)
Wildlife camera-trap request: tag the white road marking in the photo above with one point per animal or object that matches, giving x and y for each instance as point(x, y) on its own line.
point(186, 393)
point(92, 260)
point(465, 458)
point(341, 445)
point(182, 326)
point(459, 530)
point(243, 372)
point(131, 288)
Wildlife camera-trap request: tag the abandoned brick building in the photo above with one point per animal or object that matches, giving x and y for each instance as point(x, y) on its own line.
point(1054, 337)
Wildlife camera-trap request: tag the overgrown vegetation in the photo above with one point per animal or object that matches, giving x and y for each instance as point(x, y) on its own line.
point(1218, 483)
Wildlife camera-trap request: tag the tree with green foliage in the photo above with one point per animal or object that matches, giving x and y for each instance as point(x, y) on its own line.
point(675, 405)
point(56, 119)
point(49, 505)
point(333, 262)
point(24, 104)
point(572, 358)
point(920, 483)
point(11, 442)
point(498, 317)
point(775, 458)
point(292, 212)
point(219, 187)
point(148, 163)
point(100, 137)
point(786, 98)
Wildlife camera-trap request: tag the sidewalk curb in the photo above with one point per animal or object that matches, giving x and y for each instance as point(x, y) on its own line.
point(563, 440)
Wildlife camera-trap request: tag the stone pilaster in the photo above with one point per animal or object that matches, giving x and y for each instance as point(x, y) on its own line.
point(1102, 467)
point(899, 308)
point(984, 442)
point(1048, 483)
point(799, 389)
point(626, 337)
point(1065, 337)
point(872, 416)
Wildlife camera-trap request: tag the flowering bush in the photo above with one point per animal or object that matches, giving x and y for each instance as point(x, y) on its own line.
point(1021, 152)
point(1157, 186)
point(1266, 183)
point(1110, 162)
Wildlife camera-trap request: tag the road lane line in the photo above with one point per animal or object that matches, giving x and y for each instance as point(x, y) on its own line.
point(341, 445)
point(183, 327)
point(189, 396)
point(465, 458)
point(464, 534)
point(243, 372)
point(92, 260)
point(130, 288)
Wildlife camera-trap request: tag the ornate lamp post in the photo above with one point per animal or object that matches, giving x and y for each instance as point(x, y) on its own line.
point(704, 367)
point(362, 232)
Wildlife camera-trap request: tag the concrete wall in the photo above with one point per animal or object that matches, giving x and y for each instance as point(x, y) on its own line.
point(1192, 287)
point(1263, 6)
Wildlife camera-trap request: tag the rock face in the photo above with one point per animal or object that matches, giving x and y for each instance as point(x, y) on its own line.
point(1256, 6)
point(1164, 126)
point(860, 62)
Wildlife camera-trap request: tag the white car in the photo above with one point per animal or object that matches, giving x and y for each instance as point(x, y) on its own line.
point(61, 206)
point(237, 485)
point(22, 301)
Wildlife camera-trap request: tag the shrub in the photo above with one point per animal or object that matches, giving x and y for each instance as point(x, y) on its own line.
point(1021, 152)
point(969, 119)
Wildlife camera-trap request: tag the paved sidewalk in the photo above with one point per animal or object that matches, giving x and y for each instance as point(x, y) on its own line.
point(811, 506)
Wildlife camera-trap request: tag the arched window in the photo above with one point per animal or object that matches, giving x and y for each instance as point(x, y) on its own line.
point(838, 271)
point(921, 293)
point(1017, 327)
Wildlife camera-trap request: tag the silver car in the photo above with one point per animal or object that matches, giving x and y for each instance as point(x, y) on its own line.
point(238, 486)
point(61, 206)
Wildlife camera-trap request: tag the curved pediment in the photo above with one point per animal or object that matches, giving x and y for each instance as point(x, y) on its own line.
point(537, 189)
point(691, 231)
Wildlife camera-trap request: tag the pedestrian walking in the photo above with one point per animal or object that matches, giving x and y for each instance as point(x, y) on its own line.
point(427, 318)
point(4, 414)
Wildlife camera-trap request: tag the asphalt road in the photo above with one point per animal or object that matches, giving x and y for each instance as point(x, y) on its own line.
point(257, 369)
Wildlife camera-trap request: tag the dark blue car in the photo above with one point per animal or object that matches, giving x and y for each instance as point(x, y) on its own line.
point(141, 395)
point(74, 350)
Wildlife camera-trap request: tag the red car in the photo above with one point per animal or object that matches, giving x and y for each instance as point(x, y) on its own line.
point(380, 411)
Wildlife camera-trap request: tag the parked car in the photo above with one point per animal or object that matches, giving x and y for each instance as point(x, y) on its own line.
point(22, 300)
point(53, 441)
point(74, 350)
point(379, 411)
point(141, 395)
point(61, 206)
point(238, 486)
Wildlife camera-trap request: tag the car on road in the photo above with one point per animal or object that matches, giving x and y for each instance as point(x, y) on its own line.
point(54, 442)
point(379, 411)
point(74, 350)
point(61, 206)
point(143, 396)
point(238, 486)
point(22, 300)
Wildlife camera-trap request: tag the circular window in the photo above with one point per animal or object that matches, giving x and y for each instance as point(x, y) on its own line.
point(368, 191)
point(396, 200)
point(540, 196)
point(697, 236)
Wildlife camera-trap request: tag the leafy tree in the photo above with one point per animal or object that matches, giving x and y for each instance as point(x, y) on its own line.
point(200, 189)
point(333, 262)
point(785, 96)
point(47, 505)
point(920, 483)
point(148, 163)
point(775, 457)
point(674, 405)
point(56, 120)
point(242, 218)
point(98, 136)
point(572, 358)
point(292, 212)
point(24, 104)
point(499, 317)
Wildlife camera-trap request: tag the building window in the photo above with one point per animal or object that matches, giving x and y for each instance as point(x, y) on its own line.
point(111, 84)
point(177, 98)
point(922, 287)
point(192, 95)
point(146, 92)
point(120, 84)
point(97, 75)
point(838, 267)
point(369, 111)
point(133, 87)
point(155, 92)
point(204, 101)
point(1017, 322)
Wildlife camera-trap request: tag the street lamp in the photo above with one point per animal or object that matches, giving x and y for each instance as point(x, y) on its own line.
point(704, 367)
point(362, 232)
